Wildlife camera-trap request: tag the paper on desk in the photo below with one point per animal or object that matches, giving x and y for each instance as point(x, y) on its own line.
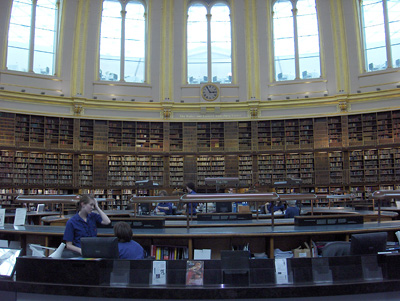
point(20, 217)
point(2, 217)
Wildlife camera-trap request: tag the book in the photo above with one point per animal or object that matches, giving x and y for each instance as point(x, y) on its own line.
point(2, 217)
point(194, 272)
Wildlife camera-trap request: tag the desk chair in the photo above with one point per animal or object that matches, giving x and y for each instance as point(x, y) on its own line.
point(336, 248)
point(235, 268)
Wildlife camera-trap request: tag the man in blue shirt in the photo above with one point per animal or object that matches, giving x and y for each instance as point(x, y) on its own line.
point(292, 210)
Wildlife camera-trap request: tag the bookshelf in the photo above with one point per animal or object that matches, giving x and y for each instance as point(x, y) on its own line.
point(264, 167)
point(128, 136)
point(369, 129)
point(176, 136)
point(176, 175)
point(245, 170)
point(336, 167)
point(86, 134)
point(7, 168)
point(355, 130)
point(307, 172)
point(264, 135)
point(209, 167)
point(114, 135)
point(8, 129)
point(360, 151)
point(244, 135)
point(306, 133)
point(85, 170)
point(334, 125)
point(292, 134)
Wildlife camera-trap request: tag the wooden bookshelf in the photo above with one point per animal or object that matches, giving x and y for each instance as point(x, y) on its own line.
point(350, 152)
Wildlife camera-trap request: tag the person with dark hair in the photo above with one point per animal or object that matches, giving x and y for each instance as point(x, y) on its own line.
point(191, 207)
point(165, 207)
point(84, 223)
point(128, 248)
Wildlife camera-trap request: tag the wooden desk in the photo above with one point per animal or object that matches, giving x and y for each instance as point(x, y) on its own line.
point(369, 216)
point(259, 237)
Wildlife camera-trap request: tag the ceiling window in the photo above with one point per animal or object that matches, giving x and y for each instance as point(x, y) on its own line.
point(33, 36)
point(296, 40)
point(209, 46)
point(122, 41)
point(381, 33)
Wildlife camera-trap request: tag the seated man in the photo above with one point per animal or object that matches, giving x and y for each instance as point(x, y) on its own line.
point(292, 210)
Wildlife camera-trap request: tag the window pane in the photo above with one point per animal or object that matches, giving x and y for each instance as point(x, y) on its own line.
point(394, 28)
point(374, 35)
point(18, 35)
point(284, 41)
point(308, 39)
point(45, 36)
point(221, 53)
point(110, 41)
point(135, 43)
point(197, 44)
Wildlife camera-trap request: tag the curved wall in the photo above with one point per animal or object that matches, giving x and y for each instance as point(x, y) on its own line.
point(75, 91)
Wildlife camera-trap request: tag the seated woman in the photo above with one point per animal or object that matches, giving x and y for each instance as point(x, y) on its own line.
point(165, 207)
point(83, 224)
point(128, 248)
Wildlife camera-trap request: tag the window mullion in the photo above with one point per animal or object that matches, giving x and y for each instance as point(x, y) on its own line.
point(389, 63)
point(122, 62)
point(32, 36)
point(209, 48)
point(296, 44)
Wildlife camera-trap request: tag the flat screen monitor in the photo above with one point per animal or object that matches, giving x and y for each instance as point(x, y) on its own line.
point(368, 243)
point(8, 259)
point(99, 247)
point(223, 207)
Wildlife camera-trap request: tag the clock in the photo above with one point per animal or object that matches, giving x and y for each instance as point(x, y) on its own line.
point(209, 92)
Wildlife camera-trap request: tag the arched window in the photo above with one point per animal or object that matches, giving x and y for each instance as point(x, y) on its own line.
point(209, 45)
point(122, 41)
point(381, 32)
point(33, 36)
point(296, 40)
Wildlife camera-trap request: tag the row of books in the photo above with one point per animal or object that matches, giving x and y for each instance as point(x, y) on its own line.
point(169, 252)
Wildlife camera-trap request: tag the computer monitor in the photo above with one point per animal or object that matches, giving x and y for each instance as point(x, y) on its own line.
point(100, 247)
point(8, 259)
point(222, 207)
point(368, 243)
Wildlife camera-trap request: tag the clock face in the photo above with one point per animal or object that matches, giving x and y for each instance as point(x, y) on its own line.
point(210, 92)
